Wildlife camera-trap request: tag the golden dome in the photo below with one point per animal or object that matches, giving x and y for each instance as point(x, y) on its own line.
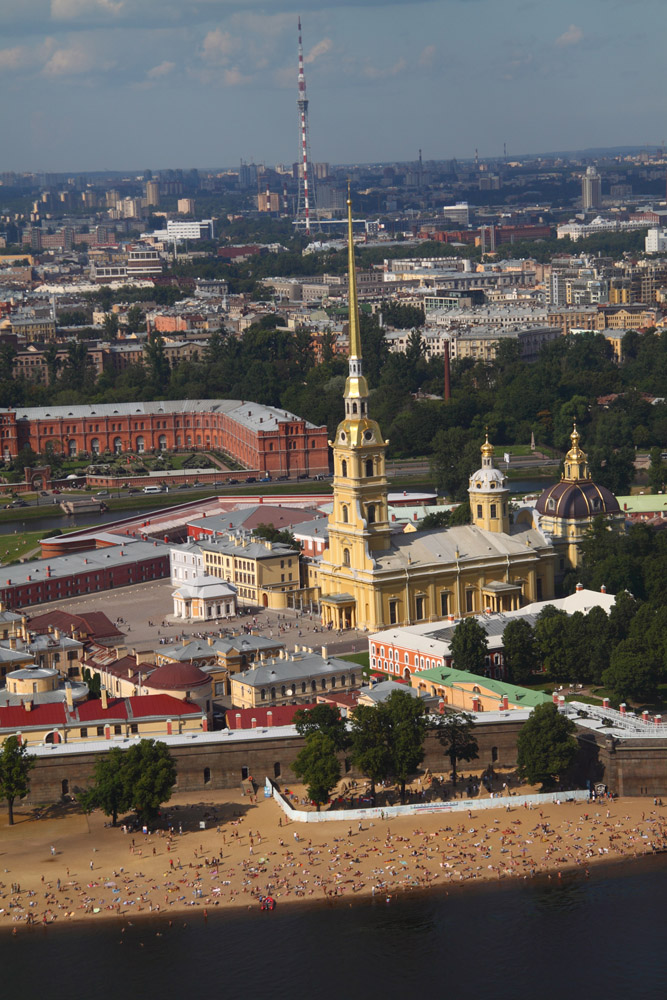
point(575, 454)
point(487, 448)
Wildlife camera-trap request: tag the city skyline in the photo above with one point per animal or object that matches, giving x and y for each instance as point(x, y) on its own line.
point(176, 84)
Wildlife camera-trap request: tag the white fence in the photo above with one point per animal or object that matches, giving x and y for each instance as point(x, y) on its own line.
point(420, 808)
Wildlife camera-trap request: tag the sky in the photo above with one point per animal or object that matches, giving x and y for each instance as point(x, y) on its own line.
point(132, 84)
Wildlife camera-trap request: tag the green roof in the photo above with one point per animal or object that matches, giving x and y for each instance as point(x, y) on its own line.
point(643, 503)
point(451, 677)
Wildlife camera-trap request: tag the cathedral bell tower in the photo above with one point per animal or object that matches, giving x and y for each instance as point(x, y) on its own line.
point(489, 495)
point(358, 524)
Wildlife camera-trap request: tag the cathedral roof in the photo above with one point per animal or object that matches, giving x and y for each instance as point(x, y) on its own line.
point(575, 500)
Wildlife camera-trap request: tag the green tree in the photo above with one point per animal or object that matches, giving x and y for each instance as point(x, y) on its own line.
point(546, 746)
point(324, 719)
point(273, 534)
point(135, 319)
point(469, 646)
point(550, 636)
point(157, 362)
point(437, 519)
point(520, 650)
point(15, 767)
point(371, 750)
point(406, 720)
point(110, 791)
point(150, 775)
point(456, 733)
point(318, 767)
point(110, 326)
point(634, 671)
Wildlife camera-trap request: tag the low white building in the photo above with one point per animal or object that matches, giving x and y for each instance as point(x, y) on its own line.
point(205, 598)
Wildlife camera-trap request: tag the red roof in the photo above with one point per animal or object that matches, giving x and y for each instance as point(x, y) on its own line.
point(15, 717)
point(92, 711)
point(93, 623)
point(149, 705)
point(177, 677)
point(281, 715)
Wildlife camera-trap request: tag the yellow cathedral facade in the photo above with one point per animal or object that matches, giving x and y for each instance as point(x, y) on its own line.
point(370, 576)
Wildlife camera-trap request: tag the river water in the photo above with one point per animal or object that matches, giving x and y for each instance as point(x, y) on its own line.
point(84, 520)
point(545, 940)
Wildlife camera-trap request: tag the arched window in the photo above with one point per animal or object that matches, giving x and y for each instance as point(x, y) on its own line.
point(276, 769)
point(65, 786)
point(369, 467)
point(273, 693)
point(354, 407)
point(343, 469)
point(346, 515)
point(370, 513)
point(71, 448)
point(346, 557)
point(162, 442)
point(95, 446)
point(353, 679)
point(140, 445)
point(207, 775)
point(313, 685)
point(283, 691)
point(263, 694)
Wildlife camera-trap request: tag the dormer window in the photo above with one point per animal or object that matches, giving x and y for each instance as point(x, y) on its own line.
point(551, 504)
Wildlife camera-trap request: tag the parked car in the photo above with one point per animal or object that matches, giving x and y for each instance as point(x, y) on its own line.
point(19, 503)
point(251, 479)
point(230, 481)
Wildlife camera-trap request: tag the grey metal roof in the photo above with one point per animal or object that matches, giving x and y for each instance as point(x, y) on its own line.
point(254, 415)
point(296, 668)
point(91, 561)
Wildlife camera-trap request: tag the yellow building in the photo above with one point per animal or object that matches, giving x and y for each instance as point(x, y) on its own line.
point(369, 576)
point(263, 572)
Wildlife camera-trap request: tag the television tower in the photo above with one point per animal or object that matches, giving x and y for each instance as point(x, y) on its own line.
point(306, 208)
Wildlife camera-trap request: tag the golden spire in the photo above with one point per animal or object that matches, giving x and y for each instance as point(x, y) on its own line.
point(355, 335)
point(356, 386)
point(576, 460)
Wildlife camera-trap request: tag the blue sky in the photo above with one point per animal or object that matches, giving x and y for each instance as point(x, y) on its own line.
point(129, 84)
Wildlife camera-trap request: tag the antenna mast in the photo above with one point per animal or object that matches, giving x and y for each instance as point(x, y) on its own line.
point(306, 201)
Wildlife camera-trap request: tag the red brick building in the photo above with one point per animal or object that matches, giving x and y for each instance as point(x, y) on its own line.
point(261, 438)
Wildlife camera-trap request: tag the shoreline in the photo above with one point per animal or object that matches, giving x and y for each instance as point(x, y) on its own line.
point(614, 867)
point(99, 874)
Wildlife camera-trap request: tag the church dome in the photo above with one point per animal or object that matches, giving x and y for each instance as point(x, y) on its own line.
point(576, 496)
point(177, 677)
point(577, 500)
point(488, 477)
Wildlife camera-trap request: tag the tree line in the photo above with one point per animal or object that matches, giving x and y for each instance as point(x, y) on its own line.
point(385, 743)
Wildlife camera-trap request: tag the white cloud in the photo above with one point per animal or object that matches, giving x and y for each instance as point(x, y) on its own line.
point(233, 77)
point(74, 61)
point(426, 57)
point(319, 50)
point(572, 36)
point(218, 46)
point(161, 70)
point(379, 73)
point(13, 59)
point(67, 10)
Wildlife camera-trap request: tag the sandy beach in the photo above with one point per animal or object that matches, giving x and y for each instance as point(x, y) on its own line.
point(66, 867)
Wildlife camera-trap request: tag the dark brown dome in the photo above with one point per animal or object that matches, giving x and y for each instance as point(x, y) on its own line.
point(577, 500)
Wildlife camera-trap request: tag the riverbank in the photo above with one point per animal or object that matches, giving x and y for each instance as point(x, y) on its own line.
point(65, 867)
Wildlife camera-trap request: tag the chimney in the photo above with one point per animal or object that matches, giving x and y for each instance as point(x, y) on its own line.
point(12, 642)
point(27, 704)
point(622, 708)
point(56, 633)
point(475, 704)
point(68, 697)
point(269, 718)
point(506, 703)
point(325, 652)
point(554, 698)
point(210, 640)
point(645, 715)
point(606, 703)
point(105, 702)
point(657, 720)
point(603, 589)
point(579, 586)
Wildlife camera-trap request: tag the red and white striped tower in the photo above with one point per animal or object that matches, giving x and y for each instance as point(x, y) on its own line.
point(306, 209)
